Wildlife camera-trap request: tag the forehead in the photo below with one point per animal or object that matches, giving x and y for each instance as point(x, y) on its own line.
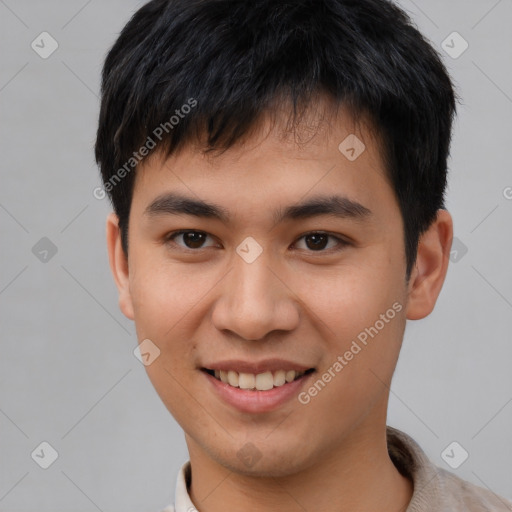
point(273, 165)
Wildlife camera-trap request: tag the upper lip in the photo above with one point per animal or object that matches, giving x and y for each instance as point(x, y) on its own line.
point(266, 365)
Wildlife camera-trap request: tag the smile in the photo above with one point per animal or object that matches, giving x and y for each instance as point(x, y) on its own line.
point(257, 382)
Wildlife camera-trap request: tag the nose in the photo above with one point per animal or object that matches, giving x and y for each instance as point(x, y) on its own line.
point(254, 300)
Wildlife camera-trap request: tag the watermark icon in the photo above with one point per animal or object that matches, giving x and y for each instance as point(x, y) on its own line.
point(305, 397)
point(352, 147)
point(249, 249)
point(507, 193)
point(249, 454)
point(146, 352)
point(44, 250)
point(454, 45)
point(44, 455)
point(150, 143)
point(44, 45)
point(458, 250)
point(454, 455)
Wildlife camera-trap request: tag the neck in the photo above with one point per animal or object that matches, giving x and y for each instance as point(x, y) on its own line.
point(358, 474)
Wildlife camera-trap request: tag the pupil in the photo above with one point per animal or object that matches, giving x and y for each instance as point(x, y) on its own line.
point(319, 241)
point(194, 238)
point(315, 241)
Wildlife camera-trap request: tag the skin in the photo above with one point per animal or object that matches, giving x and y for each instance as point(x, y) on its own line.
point(293, 302)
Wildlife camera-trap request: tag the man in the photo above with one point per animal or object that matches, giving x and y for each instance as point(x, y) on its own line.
point(278, 171)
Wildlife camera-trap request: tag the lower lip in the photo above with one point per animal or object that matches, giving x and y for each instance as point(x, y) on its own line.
point(257, 401)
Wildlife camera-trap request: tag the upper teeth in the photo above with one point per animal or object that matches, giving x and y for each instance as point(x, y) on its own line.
point(261, 382)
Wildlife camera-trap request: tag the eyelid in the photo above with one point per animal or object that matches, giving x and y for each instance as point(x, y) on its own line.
point(342, 242)
point(170, 238)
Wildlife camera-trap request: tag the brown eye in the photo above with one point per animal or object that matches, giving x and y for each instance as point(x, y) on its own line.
point(318, 242)
point(191, 239)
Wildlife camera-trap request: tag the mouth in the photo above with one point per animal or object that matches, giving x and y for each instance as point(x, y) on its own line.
point(257, 382)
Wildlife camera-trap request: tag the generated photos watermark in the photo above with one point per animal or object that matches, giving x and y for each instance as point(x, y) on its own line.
point(150, 144)
point(355, 348)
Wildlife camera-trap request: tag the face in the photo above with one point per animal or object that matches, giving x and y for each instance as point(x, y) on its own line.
point(252, 280)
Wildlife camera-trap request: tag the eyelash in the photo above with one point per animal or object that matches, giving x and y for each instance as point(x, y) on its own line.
point(341, 243)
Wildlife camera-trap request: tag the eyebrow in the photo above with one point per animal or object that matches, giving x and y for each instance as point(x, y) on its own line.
point(334, 205)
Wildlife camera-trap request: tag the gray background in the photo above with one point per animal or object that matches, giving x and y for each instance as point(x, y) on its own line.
point(68, 375)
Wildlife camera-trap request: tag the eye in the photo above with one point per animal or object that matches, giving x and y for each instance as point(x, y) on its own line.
point(191, 239)
point(318, 241)
point(315, 241)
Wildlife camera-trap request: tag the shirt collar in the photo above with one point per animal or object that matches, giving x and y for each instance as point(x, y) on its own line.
point(182, 500)
point(412, 462)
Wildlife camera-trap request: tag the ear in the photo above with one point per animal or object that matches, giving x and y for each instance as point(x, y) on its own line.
point(119, 265)
point(427, 277)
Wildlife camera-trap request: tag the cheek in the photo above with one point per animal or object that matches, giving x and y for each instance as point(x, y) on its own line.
point(356, 374)
point(169, 302)
point(359, 312)
point(348, 298)
point(161, 292)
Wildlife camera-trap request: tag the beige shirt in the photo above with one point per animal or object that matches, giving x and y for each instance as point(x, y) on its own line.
point(435, 489)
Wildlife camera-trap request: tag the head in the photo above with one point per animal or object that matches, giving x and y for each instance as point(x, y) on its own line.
point(245, 112)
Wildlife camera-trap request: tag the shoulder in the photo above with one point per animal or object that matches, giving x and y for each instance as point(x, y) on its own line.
point(435, 488)
point(460, 494)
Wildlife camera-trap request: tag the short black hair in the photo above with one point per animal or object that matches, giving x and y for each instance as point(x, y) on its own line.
point(212, 68)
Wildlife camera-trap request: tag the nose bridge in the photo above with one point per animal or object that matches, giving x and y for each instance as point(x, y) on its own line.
point(253, 301)
point(252, 282)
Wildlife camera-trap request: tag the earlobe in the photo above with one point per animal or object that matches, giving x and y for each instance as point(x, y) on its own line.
point(429, 273)
point(119, 265)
